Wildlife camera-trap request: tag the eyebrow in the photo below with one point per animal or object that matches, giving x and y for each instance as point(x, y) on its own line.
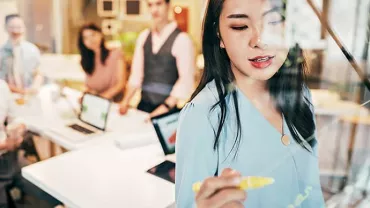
point(238, 16)
point(274, 9)
point(245, 16)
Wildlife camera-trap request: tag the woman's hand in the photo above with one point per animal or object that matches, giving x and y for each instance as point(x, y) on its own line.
point(222, 191)
point(123, 108)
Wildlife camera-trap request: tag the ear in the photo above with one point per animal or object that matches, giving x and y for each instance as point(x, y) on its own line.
point(222, 45)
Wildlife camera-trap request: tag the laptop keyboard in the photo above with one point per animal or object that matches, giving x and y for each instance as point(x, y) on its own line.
point(81, 129)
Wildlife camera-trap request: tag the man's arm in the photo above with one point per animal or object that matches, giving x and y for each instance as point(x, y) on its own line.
point(137, 72)
point(16, 89)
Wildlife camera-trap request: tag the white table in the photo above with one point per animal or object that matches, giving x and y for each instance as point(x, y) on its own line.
point(341, 108)
point(46, 111)
point(328, 103)
point(104, 176)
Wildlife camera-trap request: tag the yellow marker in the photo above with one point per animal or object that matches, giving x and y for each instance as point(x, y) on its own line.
point(248, 183)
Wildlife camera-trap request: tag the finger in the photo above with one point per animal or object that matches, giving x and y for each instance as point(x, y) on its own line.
point(230, 172)
point(228, 196)
point(211, 185)
point(234, 204)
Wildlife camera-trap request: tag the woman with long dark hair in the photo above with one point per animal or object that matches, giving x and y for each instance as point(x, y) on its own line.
point(251, 114)
point(104, 68)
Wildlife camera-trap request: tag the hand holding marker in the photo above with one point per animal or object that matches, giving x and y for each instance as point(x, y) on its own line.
point(247, 183)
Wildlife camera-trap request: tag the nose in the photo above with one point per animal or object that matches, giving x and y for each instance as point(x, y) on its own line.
point(255, 41)
point(154, 10)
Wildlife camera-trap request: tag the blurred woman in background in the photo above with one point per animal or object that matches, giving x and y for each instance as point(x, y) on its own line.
point(104, 68)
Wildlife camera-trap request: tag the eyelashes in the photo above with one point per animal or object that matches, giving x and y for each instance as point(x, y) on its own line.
point(239, 28)
point(244, 27)
point(276, 22)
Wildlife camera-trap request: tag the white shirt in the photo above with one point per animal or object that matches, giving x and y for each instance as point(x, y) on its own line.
point(7, 107)
point(17, 66)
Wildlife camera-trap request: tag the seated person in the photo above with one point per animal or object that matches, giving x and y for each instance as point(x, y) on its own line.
point(104, 68)
point(19, 59)
point(10, 168)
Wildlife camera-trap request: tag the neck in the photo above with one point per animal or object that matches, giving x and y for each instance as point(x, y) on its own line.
point(97, 52)
point(159, 26)
point(251, 87)
point(15, 41)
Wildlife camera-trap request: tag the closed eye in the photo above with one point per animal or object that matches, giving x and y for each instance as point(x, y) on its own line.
point(276, 22)
point(240, 28)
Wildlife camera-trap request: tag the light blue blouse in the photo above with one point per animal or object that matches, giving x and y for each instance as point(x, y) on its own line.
point(261, 153)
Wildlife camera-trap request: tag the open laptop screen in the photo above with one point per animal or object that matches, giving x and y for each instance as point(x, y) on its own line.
point(165, 127)
point(94, 111)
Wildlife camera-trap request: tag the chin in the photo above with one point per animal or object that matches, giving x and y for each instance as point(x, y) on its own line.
point(259, 74)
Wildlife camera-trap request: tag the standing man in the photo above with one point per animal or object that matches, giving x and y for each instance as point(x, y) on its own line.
point(163, 64)
point(19, 59)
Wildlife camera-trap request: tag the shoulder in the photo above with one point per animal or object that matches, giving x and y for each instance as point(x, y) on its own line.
point(142, 36)
point(183, 36)
point(30, 46)
point(207, 97)
point(199, 108)
point(2, 47)
point(183, 40)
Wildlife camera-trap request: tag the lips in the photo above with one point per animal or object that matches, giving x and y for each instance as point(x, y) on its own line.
point(261, 62)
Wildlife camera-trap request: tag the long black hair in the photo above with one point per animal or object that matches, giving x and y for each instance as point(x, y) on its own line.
point(286, 86)
point(87, 55)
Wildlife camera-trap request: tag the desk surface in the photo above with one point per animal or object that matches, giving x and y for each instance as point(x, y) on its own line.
point(341, 108)
point(47, 111)
point(104, 176)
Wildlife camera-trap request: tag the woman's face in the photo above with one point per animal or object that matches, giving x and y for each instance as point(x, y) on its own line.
point(92, 39)
point(247, 30)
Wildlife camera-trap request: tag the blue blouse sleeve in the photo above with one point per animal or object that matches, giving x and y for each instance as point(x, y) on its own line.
point(196, 159)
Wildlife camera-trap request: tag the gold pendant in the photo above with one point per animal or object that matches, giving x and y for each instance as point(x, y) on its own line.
point(285, 140)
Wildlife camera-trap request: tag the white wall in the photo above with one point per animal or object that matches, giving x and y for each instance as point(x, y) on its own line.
point(6, 7)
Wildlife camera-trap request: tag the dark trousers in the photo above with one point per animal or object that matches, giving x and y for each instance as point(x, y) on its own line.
point(147, 106)
point(10, 177)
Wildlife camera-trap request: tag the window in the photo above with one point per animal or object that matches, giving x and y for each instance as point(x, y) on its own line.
point(132, 7)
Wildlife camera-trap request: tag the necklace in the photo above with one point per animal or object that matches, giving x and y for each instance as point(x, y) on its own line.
point(284, 138)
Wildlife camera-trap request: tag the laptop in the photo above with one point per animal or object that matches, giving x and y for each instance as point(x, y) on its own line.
point(92, 119)
point(165, 127)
